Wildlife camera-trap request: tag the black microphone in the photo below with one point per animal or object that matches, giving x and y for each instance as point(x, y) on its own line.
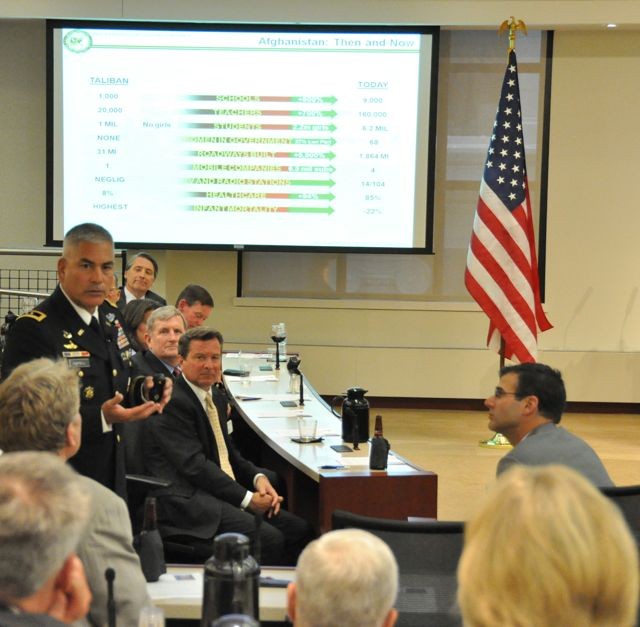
point(301, 402)
point(110, 575)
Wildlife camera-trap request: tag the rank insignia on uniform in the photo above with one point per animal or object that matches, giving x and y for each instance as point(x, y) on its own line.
point(88, 392)
point(80, 332)
point(36, 315)
point(70, 346)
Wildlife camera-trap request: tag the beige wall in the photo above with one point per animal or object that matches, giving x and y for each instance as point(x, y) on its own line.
point(592, 255)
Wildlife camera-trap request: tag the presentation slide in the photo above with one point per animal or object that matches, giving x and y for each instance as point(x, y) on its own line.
point(242, 138)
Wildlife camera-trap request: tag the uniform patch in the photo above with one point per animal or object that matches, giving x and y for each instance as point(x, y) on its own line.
point(36, 315)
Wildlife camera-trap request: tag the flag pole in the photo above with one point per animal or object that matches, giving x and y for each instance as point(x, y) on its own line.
point(499, 440)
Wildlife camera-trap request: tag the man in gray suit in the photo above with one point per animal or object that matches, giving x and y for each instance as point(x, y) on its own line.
point(40, 410)
point(526, 408)
point(43, 512)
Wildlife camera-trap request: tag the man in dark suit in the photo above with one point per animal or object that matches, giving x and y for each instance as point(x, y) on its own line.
point(213, 488)
point(195, 304)
point(165, 325)
point(139, 275)
point(76, 324)
point(164, 328)
point(526, 407)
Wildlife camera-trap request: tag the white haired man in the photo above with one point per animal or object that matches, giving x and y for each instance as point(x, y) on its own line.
point(345, 578)
point(43, 511)
point(39, 410)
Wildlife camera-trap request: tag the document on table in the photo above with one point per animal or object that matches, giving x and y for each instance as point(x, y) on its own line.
point(270, 397)
point(255, 377)
point(172, 585)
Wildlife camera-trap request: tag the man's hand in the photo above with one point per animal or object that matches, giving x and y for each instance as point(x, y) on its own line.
point(266, 491)
point(71, 594)
point(113, 411)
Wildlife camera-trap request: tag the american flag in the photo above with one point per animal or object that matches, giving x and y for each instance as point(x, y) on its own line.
point(502, 270)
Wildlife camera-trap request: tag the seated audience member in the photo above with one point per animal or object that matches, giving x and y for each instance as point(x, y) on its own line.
point(526, 408)
point(346, 578)
point(213, 488)
point(547, 549)
point(135, 316)
point(43, 511)
point(139, 275)
point(164, 328)
point(113, 293)
point(195, 304)
point(39, 410)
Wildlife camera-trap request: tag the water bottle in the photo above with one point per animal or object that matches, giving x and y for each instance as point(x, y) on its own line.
point(148, 543)
point(231, 580)
point(379, 448)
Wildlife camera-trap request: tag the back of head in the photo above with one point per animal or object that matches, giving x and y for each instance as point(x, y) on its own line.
point(194, 293)
point(346, 578)
point(547, 549)
point(544, 382)
point(134, 311)
point(43, 511)
point(38, 401)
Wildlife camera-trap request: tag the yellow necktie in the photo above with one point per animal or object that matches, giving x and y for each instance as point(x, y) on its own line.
point(223, 453)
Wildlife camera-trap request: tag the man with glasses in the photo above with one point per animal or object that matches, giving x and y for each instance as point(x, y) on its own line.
point(526, 408)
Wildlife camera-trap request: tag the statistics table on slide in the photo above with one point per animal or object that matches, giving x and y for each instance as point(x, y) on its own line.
point(321, 126)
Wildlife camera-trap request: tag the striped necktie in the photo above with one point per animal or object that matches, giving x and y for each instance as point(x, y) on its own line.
point(223, 453)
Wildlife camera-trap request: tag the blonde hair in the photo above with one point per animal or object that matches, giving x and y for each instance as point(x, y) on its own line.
point(547, 549)
point(346, 578)
point(38, 401)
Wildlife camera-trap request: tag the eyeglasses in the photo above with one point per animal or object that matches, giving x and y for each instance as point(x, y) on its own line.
point(499, 393)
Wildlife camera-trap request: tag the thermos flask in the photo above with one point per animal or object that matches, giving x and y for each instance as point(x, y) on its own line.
point(355, 416)
point(231, 580)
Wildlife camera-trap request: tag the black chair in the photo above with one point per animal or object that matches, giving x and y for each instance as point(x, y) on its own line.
point(627, 498)
point(427, 554)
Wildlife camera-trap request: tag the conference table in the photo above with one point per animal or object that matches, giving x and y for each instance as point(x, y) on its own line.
point(319, 479)
point(179, 592)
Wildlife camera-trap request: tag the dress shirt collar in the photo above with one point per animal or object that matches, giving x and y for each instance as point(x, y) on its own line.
point(167, 365)
point(81, 311)
point(128, 296)
point(198, 391)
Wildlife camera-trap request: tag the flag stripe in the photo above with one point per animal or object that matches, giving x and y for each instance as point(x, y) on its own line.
point(500, 250)
point(502, 273)
point(512, 340)
point(492, 298)
point(498, 286)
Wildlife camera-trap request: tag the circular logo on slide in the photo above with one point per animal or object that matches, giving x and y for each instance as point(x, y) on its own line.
point(77, 41)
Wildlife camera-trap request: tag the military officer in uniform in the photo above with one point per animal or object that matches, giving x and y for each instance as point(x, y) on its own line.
point(75, 323)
